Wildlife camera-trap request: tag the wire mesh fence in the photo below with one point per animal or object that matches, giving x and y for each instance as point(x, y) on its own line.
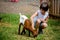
point(28, 6)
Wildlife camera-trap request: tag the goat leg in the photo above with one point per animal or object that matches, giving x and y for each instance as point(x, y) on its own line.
point(19, 28)
point(23, 31)
point(29, 33)
point(40, 29)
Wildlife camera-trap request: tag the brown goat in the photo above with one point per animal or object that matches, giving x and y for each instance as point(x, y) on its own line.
point(28, 26)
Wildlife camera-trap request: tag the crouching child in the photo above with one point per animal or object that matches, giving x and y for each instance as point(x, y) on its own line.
point(40, 17)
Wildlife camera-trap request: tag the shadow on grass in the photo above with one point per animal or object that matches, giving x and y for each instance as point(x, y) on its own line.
point(53, 22)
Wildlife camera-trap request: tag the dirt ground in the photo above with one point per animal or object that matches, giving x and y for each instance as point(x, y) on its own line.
point(23, 6)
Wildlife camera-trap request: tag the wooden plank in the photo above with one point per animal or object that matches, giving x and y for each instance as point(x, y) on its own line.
point(58, 7)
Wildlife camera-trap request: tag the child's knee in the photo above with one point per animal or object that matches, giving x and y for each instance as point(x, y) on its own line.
point(38, 20)
point(44, 25)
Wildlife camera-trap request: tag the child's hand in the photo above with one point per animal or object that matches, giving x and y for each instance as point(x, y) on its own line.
point(41, 19)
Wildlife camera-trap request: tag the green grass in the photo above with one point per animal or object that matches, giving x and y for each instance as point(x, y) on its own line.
point(9, 29)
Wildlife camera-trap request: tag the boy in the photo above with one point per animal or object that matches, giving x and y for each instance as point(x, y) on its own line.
point(41, 16)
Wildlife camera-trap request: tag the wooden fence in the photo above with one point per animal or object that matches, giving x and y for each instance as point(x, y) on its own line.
point(55, 8)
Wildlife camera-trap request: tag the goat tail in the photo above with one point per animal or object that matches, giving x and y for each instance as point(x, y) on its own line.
point(20, 14)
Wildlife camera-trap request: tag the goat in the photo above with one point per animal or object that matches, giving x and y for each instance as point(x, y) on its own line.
point(27, 25)
point(0, 19)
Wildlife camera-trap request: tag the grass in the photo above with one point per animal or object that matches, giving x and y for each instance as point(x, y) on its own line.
point(9, 29)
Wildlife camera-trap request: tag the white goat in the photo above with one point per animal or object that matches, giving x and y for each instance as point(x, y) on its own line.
point(27, 25)
point(22, 18)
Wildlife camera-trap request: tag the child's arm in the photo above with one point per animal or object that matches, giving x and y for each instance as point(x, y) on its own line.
point(46, 20)
point(35, 14)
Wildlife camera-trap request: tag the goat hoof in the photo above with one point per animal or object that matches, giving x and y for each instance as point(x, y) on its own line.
point(18, 32)
point(35, 36)
point(21, 33)
point(29, 35)
point(24, 33)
